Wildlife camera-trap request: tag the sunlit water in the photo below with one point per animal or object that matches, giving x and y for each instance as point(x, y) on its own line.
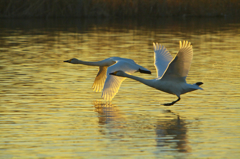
point(48, 108)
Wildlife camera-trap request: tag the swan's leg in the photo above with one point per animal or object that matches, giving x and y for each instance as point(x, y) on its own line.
point(169, 104)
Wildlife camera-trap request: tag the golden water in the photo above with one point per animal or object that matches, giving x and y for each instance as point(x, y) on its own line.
point(48, 109)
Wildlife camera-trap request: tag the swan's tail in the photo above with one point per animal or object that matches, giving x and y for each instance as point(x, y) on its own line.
point(144, 71)
point(199, 83)
point(196, 85)
point(192, 87)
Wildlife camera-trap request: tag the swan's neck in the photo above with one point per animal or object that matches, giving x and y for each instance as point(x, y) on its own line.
point(86, 63)
point(98, 63)
point(142, 80)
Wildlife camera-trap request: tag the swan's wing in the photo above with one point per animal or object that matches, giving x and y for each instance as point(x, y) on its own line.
point(161, 58)
point(100, 79)
point(180, 65)
point(113, 83)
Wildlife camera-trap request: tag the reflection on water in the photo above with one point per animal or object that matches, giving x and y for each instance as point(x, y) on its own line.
point(110, 117)
point(107, 112)
point(47, 108)
point(171, 132)
point(177, 130)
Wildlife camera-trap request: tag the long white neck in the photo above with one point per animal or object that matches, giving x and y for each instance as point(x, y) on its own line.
point(97, 63)
point(142, 80)
point(87, 63)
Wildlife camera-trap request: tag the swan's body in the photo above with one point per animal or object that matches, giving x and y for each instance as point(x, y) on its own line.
point(109, 85)
point(171, 72)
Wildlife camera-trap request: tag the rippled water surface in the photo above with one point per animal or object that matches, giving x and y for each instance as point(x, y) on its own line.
point(48, 108)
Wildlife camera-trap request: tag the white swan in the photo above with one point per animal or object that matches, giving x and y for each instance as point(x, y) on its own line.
point(109, 85)
point(171, 72)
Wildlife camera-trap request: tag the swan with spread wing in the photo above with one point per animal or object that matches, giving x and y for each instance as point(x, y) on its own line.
point(109, 85)
point(171, 72)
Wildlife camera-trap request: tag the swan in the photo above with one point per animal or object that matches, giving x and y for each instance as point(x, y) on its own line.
point(171, 72)
point(109, 85)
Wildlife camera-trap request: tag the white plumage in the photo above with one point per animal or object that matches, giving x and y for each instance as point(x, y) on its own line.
point(109, 85)
point(171, 72)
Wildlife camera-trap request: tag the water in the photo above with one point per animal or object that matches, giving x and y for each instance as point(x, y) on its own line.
point(48, 108)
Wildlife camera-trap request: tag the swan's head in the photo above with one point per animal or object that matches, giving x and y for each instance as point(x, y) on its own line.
point(118, 73)
point(73, 60)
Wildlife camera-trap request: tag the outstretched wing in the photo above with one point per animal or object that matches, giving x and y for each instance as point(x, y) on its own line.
point(180, 65)
point(161, 58)
point(100, 79)
point(113, 83)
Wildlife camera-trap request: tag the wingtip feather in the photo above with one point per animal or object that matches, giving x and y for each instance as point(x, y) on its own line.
point(184, 44)
point(154, 46)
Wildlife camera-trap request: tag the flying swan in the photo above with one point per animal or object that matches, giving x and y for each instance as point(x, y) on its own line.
point(109, 85)
point(171, 72)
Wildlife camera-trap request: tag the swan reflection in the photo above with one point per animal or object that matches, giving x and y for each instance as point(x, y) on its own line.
point(110, 117)
point(107, 112)
point(169, 132)
point(172, 133)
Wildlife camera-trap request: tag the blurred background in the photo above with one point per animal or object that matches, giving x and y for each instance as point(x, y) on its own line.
point(117, 8)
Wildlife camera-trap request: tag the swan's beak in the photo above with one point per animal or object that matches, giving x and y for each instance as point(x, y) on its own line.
point(67, 61)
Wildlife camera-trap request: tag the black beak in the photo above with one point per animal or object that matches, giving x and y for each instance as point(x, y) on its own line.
point(66, 61)
point(144, 71)
point(111, 74)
